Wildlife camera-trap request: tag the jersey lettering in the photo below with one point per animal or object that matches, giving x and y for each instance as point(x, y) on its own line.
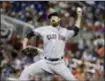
point(51, 36)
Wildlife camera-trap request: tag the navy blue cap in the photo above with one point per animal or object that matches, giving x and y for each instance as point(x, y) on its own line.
point(52, 14)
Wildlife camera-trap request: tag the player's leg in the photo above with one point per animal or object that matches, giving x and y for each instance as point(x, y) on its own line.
point(62, 70)
point(34, 69)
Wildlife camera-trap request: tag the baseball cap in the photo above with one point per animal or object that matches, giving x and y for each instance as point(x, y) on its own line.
point(52, 14)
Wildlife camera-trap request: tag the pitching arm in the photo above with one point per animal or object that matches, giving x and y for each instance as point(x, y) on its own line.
point(73, 31)
point(16, 21)
point(29, 34)
point(23, 24)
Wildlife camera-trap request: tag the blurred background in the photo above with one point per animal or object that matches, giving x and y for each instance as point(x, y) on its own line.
point(84, 54)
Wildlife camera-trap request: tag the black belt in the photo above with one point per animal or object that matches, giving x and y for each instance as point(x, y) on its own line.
point(54, 59)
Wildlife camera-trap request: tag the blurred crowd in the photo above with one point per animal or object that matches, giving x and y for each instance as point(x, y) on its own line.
point(84, 54)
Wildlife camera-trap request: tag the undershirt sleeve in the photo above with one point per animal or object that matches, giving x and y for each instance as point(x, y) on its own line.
point(72, 31)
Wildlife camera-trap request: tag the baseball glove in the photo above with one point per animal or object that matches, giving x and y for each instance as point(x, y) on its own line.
point(30, 51)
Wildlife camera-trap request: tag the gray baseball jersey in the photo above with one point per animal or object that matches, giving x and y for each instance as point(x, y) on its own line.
point(54, 40)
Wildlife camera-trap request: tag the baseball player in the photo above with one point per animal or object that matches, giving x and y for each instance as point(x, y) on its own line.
point(54, 38)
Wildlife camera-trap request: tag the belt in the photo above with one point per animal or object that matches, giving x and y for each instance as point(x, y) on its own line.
point(54, 59)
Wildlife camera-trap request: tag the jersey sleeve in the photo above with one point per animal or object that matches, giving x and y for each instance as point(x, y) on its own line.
point(39, 31)
point(34, 32)
point(70, 33)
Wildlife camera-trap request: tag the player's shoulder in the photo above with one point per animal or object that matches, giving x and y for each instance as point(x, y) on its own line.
point(63, 28)
point(41, 28)
point(45, 26)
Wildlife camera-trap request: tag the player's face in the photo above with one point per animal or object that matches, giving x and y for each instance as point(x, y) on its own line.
point(55, 21)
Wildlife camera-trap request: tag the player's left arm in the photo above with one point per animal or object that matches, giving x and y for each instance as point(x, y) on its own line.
point(73, 31)
point(34, 32)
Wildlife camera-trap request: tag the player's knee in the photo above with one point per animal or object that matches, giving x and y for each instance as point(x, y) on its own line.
point(26, 71)
point(25, 75)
